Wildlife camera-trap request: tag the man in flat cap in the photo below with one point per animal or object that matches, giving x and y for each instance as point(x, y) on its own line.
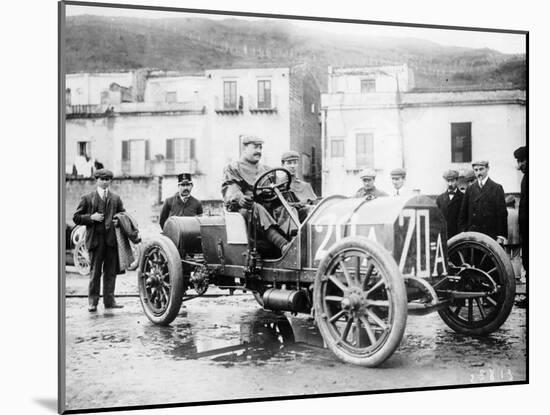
point(398, 178)
point(238, 182)
point(96, 211)
point(450, 201)
point(182, 203)
point(523, 213)
point(466, 179)
point(483, 207)
point(301, 189)
point(369, 190)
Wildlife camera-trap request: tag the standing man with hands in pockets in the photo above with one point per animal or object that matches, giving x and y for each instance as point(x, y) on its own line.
point(483, 207)
point(96, 211)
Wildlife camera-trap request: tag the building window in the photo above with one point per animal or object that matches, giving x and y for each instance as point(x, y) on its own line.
point(337, 148)
point(83, 148)
point(364, 148)
point(264, 94)
point(180, 150)
point(461, 142)
point(171, 97)
point(230, 95)
point(368, 85)
point(135, 157)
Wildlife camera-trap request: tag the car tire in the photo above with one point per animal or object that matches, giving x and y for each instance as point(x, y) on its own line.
point(81, 257)
point(487, 257)
point(160, 280)
point(361, 320)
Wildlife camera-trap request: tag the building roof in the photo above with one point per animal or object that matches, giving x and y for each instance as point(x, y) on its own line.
point(514, 96)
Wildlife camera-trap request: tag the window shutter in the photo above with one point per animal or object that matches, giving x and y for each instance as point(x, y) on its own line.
point(170, 149)
point(192, 148)
point(125, 150)
point(147, 155)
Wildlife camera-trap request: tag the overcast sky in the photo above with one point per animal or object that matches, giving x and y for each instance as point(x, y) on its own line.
point(502, 42)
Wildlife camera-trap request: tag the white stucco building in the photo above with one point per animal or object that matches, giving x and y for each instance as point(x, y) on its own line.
point(194, 123)
point(374, 117)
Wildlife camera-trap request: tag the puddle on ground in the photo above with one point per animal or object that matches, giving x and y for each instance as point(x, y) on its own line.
point(254, 337)
point(228, 336)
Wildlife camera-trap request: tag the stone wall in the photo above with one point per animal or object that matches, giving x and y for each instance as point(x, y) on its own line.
point(142, 198)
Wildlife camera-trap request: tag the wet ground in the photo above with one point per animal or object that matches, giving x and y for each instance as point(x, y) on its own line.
point(226, 347)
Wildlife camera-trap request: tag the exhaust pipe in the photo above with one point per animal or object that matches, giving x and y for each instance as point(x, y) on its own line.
point(286, 300)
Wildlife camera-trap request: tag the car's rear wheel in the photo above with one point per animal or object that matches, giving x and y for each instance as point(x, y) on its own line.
point(483, 263)
point(81, 257)
point(160, 280)
point(360, 302)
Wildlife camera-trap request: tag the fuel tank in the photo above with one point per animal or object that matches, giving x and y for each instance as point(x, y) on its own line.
point(185, 232)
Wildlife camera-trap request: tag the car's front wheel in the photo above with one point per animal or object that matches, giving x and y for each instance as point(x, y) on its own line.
point(160, 280)
point(360, 302)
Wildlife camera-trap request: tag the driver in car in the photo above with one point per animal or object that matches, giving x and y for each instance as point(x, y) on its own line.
point(238, 182)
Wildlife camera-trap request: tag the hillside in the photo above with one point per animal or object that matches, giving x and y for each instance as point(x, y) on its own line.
point(96, 43)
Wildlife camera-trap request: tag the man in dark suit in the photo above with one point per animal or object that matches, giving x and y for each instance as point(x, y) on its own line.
point(182, 203)
point(521, 156)
point(450, 202)
point(96, 211)
point(484, 207)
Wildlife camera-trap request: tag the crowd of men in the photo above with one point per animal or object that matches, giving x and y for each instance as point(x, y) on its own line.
point(473, 202)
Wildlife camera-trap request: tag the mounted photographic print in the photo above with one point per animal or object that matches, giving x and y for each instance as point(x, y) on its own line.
point(269, 207)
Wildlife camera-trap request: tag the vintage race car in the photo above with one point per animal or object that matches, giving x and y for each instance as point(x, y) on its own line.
point(359, 266)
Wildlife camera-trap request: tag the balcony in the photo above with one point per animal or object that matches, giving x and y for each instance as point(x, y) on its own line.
point(177, 167)
point(266, 107)
point(188, 107)
point(223, 108)
point(86, 111)
point(131, 168)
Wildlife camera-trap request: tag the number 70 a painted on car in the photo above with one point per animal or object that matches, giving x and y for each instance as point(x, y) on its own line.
point(411, 229)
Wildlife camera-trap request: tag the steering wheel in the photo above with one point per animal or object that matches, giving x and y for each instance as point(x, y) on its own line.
point(264, 186)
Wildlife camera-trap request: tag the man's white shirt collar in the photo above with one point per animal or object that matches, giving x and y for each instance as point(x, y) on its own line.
point(483, 181)
point(102, 192)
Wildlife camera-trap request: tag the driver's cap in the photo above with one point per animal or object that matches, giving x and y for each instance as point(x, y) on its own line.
point(252, 139)
point(367, 173)
point(290, 155)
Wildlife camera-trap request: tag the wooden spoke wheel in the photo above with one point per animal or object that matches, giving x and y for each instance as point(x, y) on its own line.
point(360, 302)
point(482, 263)
point(81, 258)
point(160, 280)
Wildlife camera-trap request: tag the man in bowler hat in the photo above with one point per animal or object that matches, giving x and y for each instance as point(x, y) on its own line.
point(484, 207)
point(96, 211)
point(450, 201)
point(182, 203)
